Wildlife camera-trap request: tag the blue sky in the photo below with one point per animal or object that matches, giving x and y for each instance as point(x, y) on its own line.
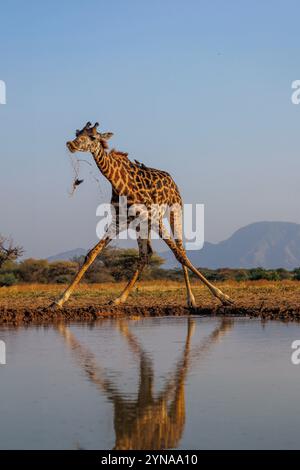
point(199, 88)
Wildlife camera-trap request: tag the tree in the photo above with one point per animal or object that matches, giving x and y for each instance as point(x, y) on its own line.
point(34, 270)
point(115, 264)
point(61, 271)
point(284, 273)
point(256, 274)
point(8, 250)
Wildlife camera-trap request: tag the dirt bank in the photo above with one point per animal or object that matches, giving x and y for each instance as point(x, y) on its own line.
point(29, 303)
point(45, 315)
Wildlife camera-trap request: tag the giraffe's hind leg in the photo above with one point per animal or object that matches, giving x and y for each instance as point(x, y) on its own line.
point(191, 302)
point(145, 251)
point(181, 256)
point(176, 227)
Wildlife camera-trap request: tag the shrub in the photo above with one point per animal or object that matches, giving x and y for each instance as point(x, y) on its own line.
point(33, 270)
point(256, 274)
point(241, 275)
point(8, 279)
point(284, 273)
point(61, 271)
point(273, 276)
point(296, 273)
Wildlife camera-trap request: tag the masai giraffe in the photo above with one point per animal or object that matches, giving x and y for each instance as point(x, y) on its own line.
point(144, 186)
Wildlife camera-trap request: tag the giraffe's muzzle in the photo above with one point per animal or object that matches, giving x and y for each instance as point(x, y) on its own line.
point(71, 147)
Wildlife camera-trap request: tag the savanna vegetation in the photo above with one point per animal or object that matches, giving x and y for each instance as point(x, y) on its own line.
point(114, 265)
point(33, 283)
point(119, 265)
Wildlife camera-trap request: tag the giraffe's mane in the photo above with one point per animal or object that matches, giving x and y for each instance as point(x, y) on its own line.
point(104, 143)
point(118, 154)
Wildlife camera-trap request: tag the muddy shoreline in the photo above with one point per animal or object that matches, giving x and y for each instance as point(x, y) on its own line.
point(29, 303)
point(44, 315)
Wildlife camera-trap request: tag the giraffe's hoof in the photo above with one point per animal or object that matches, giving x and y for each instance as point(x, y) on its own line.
point(224, 299)
point(227, 301)
point(192, 305)
point(115, 302)
point(55, 306)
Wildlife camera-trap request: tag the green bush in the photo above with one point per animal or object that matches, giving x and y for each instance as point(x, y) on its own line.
point(8, 279)
point(296, 274)
point(241, 275)
point(257, 274)
point(273, 276)
point(33, 270)
point(61, 272)
point(284, 274)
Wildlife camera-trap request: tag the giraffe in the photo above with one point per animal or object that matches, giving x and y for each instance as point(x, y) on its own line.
point(150, 420)
point(156, 191)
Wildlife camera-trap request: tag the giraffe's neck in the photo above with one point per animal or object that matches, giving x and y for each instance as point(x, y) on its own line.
point(104, 162)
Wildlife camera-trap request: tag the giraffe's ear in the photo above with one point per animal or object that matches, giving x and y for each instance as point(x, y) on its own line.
point(106, 135)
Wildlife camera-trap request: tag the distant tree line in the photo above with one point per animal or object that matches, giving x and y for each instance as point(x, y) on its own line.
point(114, 264)
point(239, 275)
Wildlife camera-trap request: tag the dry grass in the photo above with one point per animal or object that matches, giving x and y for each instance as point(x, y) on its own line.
point(284, 294)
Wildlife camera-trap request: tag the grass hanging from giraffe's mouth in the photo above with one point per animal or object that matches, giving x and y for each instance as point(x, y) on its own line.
point(77, 181)
point(76, 167)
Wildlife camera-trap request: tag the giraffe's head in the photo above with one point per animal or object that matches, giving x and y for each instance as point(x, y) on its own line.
point(88, 139)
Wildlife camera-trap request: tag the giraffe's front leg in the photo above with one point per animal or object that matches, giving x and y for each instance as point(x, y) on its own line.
point(92, 254)
point(89, 259)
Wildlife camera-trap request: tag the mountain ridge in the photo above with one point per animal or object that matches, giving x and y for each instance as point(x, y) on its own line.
point(269, 245)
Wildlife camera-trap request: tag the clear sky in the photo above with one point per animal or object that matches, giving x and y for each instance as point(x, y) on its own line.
point(199, 88)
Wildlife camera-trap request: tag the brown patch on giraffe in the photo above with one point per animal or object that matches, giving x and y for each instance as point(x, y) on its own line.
point(123, 173)
point(117, 175)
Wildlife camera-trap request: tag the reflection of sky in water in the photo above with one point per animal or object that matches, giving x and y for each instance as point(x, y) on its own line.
point(161, 382)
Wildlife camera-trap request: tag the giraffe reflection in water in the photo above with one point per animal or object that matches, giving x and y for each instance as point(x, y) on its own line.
point(151, 421)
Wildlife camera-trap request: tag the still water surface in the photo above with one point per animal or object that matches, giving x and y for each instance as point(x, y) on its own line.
point(198, 383)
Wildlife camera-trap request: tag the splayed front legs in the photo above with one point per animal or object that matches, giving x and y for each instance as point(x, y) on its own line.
point(145, 251)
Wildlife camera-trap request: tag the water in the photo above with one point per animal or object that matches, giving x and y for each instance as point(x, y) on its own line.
point(200, 383)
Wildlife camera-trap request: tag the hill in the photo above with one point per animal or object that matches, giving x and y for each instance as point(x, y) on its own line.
point(267, 244)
